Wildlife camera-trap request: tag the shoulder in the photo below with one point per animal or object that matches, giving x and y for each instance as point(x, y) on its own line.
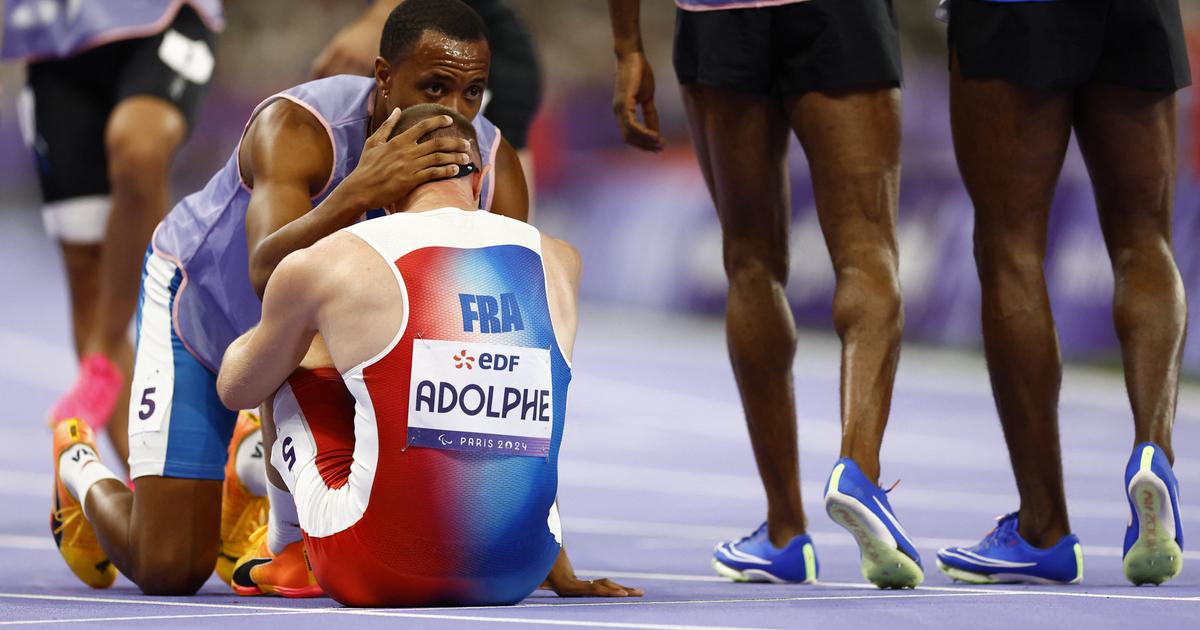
point(285, 138)
point(562, 255)
point(285, 116)
point(322, 268)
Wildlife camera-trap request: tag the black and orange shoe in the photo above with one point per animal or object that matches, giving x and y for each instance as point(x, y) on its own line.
point(73, 533)
point(263, 573)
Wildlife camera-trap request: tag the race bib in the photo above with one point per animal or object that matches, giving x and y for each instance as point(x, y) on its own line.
point(481, 397)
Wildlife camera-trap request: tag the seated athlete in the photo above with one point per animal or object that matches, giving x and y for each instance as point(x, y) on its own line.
point(433, 479)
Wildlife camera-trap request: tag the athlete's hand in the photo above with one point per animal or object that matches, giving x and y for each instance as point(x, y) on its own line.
point(351, 51)
point(634, 89)
point(571, 586)
point(390, 169)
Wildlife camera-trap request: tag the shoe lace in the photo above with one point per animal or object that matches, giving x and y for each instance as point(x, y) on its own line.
point(761, 531)
point(76, 537)
point(1005, 526)
point(250, 528)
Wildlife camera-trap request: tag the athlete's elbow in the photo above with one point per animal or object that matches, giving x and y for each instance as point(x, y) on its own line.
point(233, 388)
point(231, 395)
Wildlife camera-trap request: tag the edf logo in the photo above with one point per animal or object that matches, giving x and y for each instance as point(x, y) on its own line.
point(494, 315)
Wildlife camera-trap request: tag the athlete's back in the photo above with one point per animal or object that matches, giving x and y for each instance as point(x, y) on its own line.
point(459, 383)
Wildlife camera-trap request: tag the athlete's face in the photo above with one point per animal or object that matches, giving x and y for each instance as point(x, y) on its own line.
point(437, 69)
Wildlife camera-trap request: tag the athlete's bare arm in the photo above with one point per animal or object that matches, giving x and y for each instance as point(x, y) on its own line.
point(563, 267)
point(511, 198)
point(286, 159)
point(635, 78)
point(256, 363)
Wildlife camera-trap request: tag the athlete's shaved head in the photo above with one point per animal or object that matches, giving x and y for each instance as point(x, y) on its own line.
point(409, 21)
point(460, 128)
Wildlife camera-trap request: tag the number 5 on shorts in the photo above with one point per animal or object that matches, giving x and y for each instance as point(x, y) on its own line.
point(148, 404)
point(146, 407)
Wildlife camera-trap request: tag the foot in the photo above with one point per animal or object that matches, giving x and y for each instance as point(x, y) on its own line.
point(73, 533)
point(93, 395)
point(242, 513)
point(1004, 557)
point(887, 556)
point(1154, 537)
point(288, 573)
point(755, 559)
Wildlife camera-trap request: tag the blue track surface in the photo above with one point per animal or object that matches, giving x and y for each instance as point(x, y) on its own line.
point(656, 468)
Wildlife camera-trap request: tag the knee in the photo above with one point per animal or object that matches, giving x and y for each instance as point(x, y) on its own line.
point(1009, 269)
point(140, 148)
point(174, 569)
point(868, 296)
point(755, 261)
point(169, 580)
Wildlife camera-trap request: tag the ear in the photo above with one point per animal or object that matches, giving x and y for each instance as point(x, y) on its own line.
point(383, 74)
point(477, 181)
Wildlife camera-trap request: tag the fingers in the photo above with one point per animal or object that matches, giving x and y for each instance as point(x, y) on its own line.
point(441, 159)
point(645, 137)
point(414, 133)
point(436, 172)
point(446, 145)
point(381, 134)
point(609, 588)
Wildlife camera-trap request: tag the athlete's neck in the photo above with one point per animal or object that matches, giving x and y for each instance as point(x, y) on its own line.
point(453, 193)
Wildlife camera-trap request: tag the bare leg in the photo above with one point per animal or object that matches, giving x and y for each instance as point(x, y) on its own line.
point(741, 141)
point(852, 139)
point(1010, 143)
point(165, 536)
point(1128, 139)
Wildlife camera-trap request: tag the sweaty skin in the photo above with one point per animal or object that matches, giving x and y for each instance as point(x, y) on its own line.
point(286, 158)
point(1010, 143)
point(852, 140)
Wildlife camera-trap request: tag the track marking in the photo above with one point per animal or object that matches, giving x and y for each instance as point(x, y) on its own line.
point(977, 590)
point(155, 602)
point(542, 622)
point(37, 543)
point(148, 617)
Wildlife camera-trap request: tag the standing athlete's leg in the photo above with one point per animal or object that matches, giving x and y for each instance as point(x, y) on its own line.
point(852, 139)
point(741, 142)
point(1010, 143)
point(1127, 137)
point(140, 139)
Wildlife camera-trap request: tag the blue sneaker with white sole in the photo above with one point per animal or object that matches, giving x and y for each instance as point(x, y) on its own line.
point(1003, 557)
point(887, 556)
point(1154, 538)
point(755, 559)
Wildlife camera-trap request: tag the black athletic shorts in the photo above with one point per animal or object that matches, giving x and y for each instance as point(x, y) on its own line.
point(515, 84)
point(789, 49)
point(73, 98)
point(1063, 44)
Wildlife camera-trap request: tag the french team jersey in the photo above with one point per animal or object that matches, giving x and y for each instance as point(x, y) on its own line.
point(50, 29)
point(205, 234)
point(457, 424)
point(718, 5)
